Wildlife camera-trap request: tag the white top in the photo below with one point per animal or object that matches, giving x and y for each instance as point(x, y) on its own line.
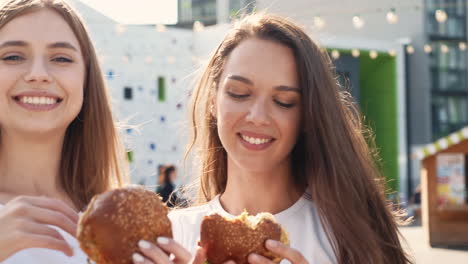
point(49, 256)
point(301, 222)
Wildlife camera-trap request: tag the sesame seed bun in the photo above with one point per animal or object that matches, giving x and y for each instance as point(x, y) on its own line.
point(114, 222)
point(234, 239)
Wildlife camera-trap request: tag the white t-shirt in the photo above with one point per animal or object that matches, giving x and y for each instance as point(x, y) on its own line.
point(49, 256)
point(301, 222)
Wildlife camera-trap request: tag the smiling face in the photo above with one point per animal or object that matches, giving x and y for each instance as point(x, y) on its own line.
point(42, 72)
point(258, 105)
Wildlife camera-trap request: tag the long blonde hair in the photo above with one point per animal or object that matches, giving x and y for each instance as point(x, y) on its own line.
point(93, 159)
point(331, 158)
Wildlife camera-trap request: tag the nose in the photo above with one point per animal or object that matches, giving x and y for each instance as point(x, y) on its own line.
point(258, 113)
point(38, 72)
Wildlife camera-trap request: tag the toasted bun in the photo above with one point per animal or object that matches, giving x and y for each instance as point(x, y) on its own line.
point(234, 239)
point(115, 221)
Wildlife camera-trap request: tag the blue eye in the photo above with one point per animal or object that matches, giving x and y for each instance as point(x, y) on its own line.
point(237, 96)
point(13, 58)
point(62, 59)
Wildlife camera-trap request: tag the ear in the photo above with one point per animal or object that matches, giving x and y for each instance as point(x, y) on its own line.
point(213, 108)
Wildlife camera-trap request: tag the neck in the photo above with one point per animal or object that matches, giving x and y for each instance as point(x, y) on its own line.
point(270, 191)
point(30, 165)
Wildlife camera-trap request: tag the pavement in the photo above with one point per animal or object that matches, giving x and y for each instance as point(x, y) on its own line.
point(418, 247)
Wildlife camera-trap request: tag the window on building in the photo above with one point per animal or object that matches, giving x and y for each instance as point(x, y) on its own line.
point(448, 67)
point(161, 89)
point(128, 93)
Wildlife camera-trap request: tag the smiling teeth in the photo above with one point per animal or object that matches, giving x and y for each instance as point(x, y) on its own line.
point(38, 100)
point(256, 141)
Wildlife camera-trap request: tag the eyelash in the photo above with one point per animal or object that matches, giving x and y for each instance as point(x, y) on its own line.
point(243, 96)
point(62, 60)
point(13, 58)
point(19, 58)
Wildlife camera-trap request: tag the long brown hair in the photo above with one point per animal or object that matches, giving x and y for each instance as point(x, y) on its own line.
point(331, 157)
point(93, 159)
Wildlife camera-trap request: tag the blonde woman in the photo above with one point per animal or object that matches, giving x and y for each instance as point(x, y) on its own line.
point(58, 143)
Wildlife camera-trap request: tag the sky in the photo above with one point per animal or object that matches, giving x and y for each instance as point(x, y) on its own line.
point(137, 11)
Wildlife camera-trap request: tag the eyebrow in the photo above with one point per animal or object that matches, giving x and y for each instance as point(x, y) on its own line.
point(20, 43)
point(65, 45)
point(277, 88)
point(13, 43)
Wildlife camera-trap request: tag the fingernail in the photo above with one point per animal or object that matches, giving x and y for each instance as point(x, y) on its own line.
point(272, 243)
point(230, 262)
point(137, 257)
point(163, 240)
point(254, 257)
point(144, 244)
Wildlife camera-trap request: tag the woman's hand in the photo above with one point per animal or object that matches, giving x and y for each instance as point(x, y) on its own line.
point(157, 253)
point(25, 220)
point(279, 249)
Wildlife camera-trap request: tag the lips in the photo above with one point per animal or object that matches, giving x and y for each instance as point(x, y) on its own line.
point(254, 141)
point(37, 101)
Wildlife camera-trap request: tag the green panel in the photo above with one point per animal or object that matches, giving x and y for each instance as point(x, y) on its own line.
point(130, 156)
point(161, 89)
point(378, 102)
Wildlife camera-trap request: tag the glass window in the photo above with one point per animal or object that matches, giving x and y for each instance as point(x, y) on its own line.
point(128, 93)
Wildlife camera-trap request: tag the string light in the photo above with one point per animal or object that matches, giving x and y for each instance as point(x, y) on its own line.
point(149, 60)
point(160, 28)
point(355, 53)
point(120, 29)
point(444, 48)
point(335, 54)
point(392, 52)
point(410, 49)
point(392, 17)
point(373, 54)
point(358, 22)
point(427, 48)
point(441, 16)
point(198, 26)
point(319, 23)
point(462, 46)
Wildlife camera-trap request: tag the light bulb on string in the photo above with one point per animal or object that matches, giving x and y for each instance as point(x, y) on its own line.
point(335, 54)
point(444, 48)
point(160, 28)
point(392, 52)
point(358, 22)
point(462, 46)
point(427, 48)
point(373, 54)
point(319, 23)
point(441, 16)
point(120, 29)
point(410, 49)
point(198, 26)
point(392, 17)
point(355, 53)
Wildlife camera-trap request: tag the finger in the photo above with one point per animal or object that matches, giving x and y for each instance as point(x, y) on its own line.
point(51, 217)
point(181, 255)
point(42, 241)
point(286, 252)
point(230, 262)
point(257, 259)
point(39, 229)
point(153, 252)
point(56, 205)
point(200, 256)
point(139, 259)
